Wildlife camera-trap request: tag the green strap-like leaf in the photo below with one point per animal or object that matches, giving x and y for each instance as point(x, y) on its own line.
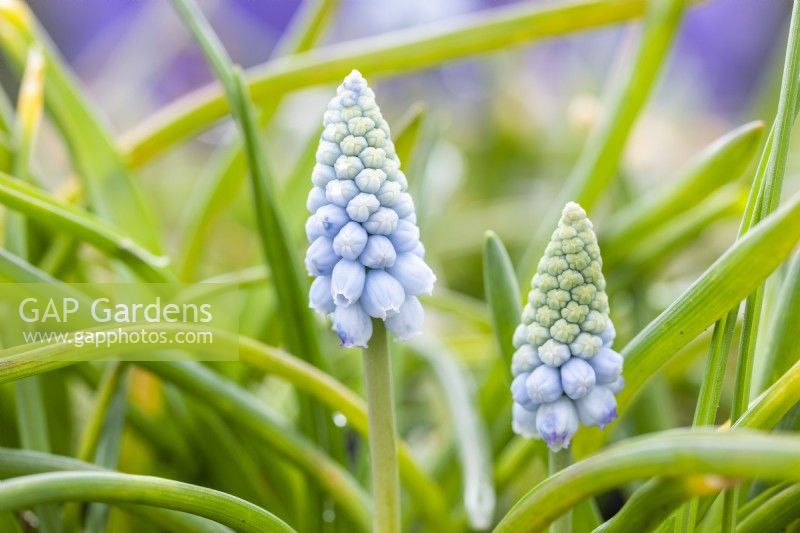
point(32, 409)
point(408, 50)
point(721, 162)
point(503, 298)
point(776, 514)
point(306, 27)
point(217, 189)
point(599, 160)
point(237, 404)
point(15, 463)
point(502, 295)
point(22, 362)
point(112, 487)
point(275, 239)
point(246, 411)
point(63, 217)
point(770, 195)
point(674, 453)
point(782, 348)
point(772, 404)
point(731, 278)
point(665, 242)
point(112, 190)
point(648, 506)
point(469, 431)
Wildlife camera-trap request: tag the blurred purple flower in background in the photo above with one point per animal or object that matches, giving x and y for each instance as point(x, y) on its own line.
point(729, 45)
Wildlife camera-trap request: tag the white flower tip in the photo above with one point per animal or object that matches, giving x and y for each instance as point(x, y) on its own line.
point(573, 208)
point(429, 290)
point(341, 299)
point(354, 79)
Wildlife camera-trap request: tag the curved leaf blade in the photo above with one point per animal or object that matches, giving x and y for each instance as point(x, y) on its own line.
point(407, 50)
point(63, 217)
point(111, 487)
point(113, 192)
point(720, 162)
point(675, 453)
point(502, 294)
point(725, 283)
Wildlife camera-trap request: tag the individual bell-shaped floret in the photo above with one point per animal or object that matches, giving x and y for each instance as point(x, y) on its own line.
point(365, 251)
point(577, 378)
point(523, 421)
point(557, 423)
point(607, 365)
point(544, 384)
point(597, 408)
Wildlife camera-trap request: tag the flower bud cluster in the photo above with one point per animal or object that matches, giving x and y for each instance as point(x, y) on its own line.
point(565, 372)
point(365, 251)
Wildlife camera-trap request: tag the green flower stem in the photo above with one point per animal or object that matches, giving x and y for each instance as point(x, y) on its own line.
point(382, 431)
point(558, 461)
point(108, 487)
point(425, 493)
point(677, 453)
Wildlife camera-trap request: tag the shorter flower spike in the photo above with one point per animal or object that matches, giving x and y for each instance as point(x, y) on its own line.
point(364, 248)
point(565, 371)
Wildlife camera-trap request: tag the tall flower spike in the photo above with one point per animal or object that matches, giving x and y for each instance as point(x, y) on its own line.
point(364, 246)
point(564, 368)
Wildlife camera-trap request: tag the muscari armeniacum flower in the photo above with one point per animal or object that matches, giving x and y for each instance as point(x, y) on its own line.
point(364, 248)
point(565, 371)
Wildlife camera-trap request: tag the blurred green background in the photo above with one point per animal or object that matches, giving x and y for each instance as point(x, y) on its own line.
point(498, 136)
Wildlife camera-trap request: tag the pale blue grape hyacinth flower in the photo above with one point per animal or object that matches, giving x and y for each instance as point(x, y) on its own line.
point(565, 371)
point(364, 247)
